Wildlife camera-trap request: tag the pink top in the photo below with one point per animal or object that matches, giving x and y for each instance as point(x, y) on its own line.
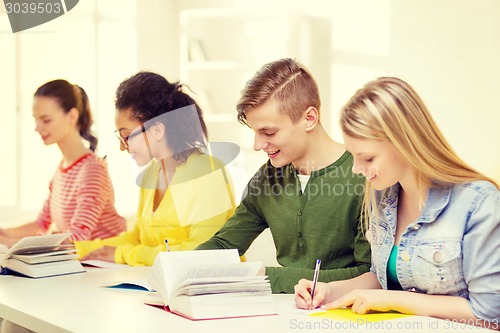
point(81, 201)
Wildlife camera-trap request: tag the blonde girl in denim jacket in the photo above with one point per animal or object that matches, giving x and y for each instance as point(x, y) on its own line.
point(433, 221)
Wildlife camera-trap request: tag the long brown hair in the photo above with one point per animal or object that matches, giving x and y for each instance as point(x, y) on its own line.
point(72, 96)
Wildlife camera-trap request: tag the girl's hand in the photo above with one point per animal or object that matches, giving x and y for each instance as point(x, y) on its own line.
point(106, 253)
point(364, 300)
point(303, 294)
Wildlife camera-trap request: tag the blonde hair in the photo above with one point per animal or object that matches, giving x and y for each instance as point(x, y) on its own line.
point(388, 108)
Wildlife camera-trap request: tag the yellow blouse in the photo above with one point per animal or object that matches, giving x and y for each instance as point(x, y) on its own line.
point(197, 203)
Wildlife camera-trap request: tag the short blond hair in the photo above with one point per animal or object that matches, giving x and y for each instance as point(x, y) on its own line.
point(288, 82)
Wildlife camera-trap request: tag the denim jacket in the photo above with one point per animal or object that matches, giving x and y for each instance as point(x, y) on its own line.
point(452, 249)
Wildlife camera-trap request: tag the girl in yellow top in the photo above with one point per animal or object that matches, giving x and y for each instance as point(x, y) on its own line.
point(185, 194)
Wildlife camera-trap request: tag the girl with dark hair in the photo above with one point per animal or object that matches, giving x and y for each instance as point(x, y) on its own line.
point(81, 199)
point(185, 194)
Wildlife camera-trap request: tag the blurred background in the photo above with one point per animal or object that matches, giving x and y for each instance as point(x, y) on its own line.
point(449, 50)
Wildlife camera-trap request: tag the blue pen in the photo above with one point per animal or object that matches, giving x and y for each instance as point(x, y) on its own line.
point(315, 280)
point(166, 245)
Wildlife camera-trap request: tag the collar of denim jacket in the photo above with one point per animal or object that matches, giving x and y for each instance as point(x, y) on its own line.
point(437, 199)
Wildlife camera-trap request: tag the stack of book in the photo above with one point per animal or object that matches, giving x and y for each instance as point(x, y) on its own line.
point(211, 284)
point(41, 256)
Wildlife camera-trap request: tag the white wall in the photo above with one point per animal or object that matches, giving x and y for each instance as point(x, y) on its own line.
point(93, 46)
point(449, 50)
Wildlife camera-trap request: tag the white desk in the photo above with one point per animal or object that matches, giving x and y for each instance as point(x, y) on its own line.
point(79, 303)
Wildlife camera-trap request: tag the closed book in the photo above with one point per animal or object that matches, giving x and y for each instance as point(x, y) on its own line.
point(44, 269)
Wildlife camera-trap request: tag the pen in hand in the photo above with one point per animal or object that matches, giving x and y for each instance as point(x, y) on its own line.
point(167, 246)
point(315, 281)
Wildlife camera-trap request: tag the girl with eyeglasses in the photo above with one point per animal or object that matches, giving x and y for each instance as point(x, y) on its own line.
point(185, 193)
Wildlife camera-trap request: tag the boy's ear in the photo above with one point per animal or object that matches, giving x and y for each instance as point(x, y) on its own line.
point(311, 117)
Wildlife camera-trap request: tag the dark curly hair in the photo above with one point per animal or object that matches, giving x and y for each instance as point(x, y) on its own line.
point(71, 96)
point(148, 95)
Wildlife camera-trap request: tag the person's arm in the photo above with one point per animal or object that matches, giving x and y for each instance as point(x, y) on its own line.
point(138, 254)
point(439, 306)
point(480, 268)
point(90, 249)
point(90, 201)
point(41, 224)
point(480, 245)
point(481, 262)
point(28, 229)
point(8, 242)
point(364, 293)
point(10, 236)
point(283, 279)
point(127, 248)
point(239, 231)
point(328, 292)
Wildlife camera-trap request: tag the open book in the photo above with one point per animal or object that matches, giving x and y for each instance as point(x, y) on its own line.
point(41, 256)
point(211, 284)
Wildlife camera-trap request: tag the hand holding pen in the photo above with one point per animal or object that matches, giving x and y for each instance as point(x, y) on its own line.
point(310, 294)
point(315, 281)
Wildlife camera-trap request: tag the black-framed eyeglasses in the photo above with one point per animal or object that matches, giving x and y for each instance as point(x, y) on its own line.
point(124, 140)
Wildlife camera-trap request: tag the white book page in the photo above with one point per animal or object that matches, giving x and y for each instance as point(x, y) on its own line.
point(157, 280)
point(31, 260)
point(237, 287)
point(216, 271)
point(167, 266)
point(32, 244)
point(209, 280)
point(211, 274)
point(45, 254)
